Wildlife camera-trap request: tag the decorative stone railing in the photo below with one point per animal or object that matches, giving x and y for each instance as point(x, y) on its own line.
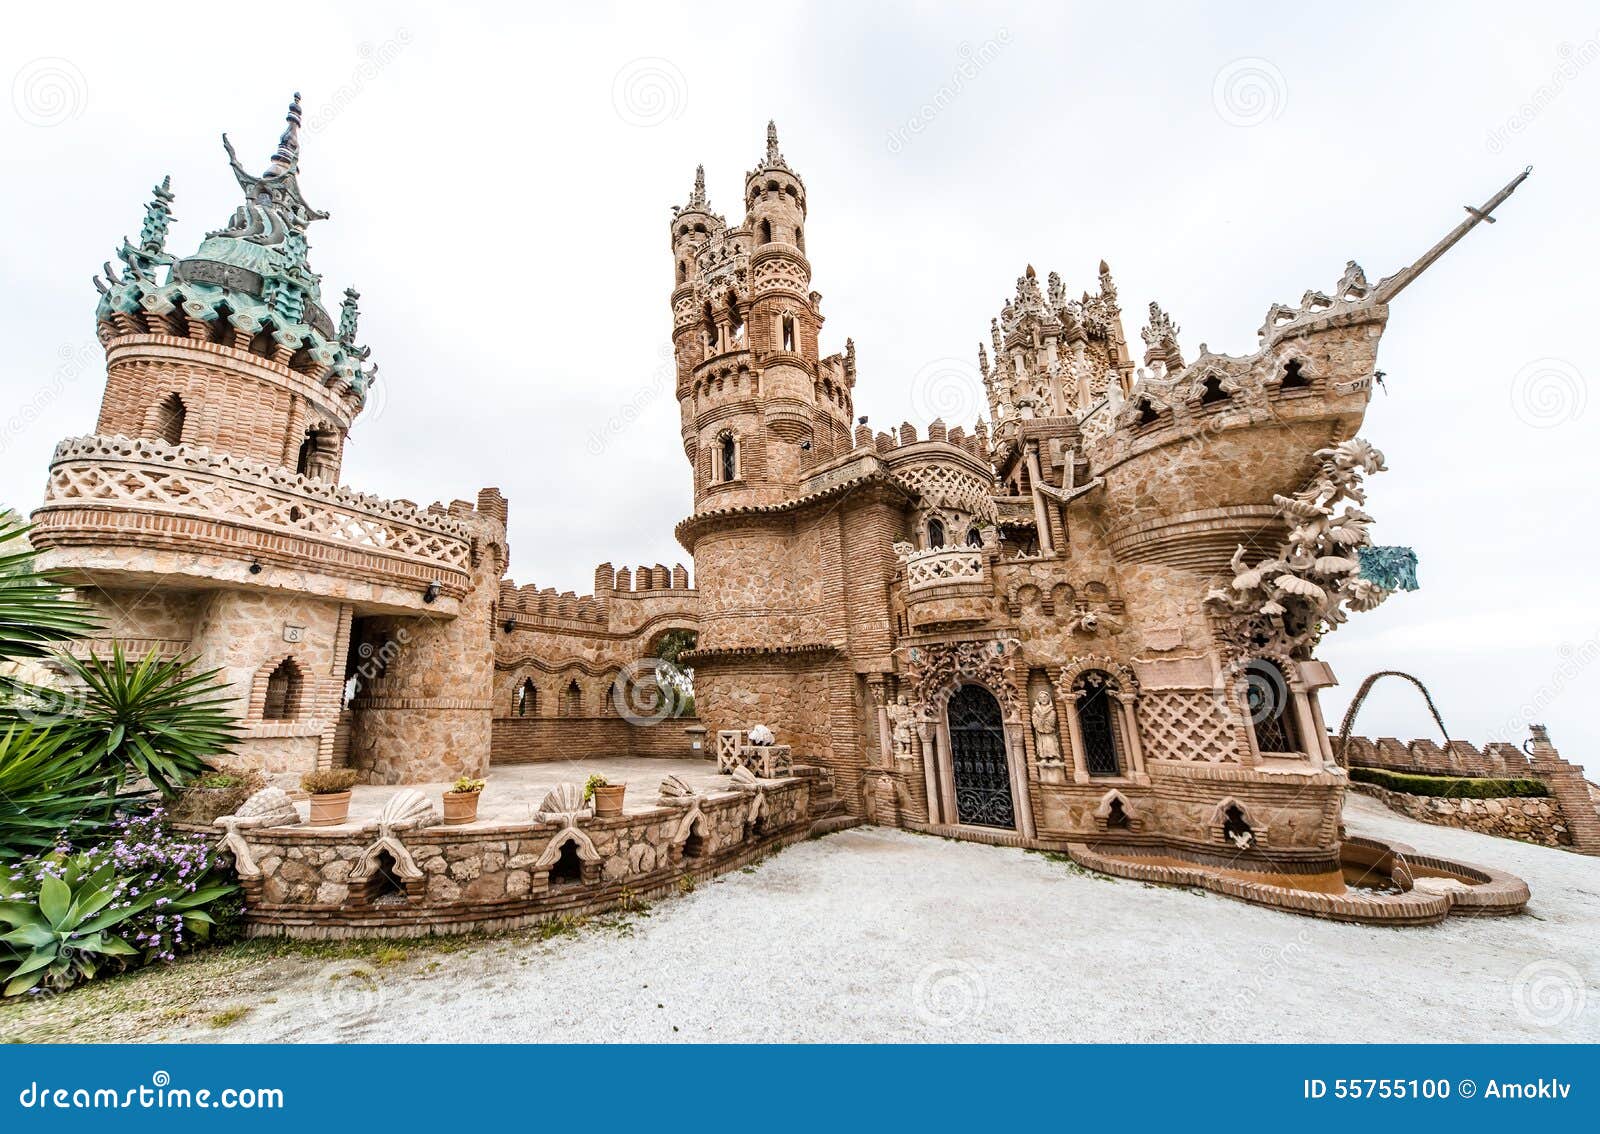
point(111, 490)
point(941, 565)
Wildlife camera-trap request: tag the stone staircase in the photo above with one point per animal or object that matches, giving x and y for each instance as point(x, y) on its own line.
point(828, 813)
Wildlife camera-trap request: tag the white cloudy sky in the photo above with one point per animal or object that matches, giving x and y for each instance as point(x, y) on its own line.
point(500, 179)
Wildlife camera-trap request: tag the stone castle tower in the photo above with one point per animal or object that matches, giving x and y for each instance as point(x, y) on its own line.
point(759, 404)
point(205, 519)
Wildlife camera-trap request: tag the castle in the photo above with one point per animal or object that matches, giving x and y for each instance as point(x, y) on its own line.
point(1092, 617)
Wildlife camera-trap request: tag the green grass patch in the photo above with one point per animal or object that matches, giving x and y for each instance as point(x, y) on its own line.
point(1452, 787)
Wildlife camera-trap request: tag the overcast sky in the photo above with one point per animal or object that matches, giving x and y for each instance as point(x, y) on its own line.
point(500, 181)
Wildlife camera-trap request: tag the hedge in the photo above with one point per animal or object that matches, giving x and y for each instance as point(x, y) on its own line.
point(1457, 787)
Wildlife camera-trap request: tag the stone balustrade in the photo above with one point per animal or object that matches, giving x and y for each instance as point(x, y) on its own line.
point(941, 565)
point(122, 492)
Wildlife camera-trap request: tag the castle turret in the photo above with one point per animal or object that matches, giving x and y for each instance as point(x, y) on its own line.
point(234, 350)
point(203, 518)
point(760, 406)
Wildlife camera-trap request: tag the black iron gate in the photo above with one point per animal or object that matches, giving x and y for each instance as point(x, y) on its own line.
point(978, 754)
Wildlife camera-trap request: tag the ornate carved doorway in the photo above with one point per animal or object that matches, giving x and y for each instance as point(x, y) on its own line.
point(978, 759)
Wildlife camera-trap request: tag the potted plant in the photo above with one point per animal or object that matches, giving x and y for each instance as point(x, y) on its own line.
point(330, 794)
point(607, 796)
point(461, 801)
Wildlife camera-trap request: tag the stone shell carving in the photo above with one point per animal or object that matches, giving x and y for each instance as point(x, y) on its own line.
point(407, 809)
point(269, 807)
point(561, 803)
point(674, 790)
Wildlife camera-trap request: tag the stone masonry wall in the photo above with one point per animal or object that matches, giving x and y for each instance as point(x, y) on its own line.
point(303, 882)
point(1530, 820)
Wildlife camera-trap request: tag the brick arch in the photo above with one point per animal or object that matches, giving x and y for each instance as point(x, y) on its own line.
point(295, 696)
point(1082, 665)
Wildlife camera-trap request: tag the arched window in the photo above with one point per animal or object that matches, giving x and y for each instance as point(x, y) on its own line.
point(728, 457)
point(935, 532)
point(1270, 703)
point(282, 702)
point(735, 320)
point(799, 238)
point(683, 270)
point(1097, 711)
point(708, 326)
point(169, 418)
point(572, 700)
point(1211, 391)
point(788, 332)
point(766, 232)
point(974, 537)
point(318, 457)
point(526, 702)
point(1292, 378)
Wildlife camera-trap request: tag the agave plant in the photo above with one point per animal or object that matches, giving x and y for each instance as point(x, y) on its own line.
point(154, 718)
point(70, 929)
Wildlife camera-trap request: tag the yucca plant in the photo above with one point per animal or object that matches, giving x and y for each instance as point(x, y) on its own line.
point(51, 789)
point(155, 718)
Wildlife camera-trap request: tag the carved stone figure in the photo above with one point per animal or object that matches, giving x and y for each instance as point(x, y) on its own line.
point(903, 723)
point(1046, 737)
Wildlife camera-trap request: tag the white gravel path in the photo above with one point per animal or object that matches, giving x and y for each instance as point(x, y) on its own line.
point(881, 935)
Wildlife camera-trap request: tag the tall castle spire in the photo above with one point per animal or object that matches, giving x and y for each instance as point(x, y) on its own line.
point(287, 157)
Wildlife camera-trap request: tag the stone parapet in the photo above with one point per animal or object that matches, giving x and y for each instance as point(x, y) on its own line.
point(117, 492)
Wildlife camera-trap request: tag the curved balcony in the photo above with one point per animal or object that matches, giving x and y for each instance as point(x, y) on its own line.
point(119, 507)
point(948, 585)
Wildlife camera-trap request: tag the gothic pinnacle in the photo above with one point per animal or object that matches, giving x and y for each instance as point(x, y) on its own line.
point(288, 155)
point(773, 156)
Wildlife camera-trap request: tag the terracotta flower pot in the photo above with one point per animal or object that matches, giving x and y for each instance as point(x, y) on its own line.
point(608, 799)
point(328, 810)
point(461, 806)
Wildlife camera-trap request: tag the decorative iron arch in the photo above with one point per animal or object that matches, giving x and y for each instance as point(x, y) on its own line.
point(1361, 695)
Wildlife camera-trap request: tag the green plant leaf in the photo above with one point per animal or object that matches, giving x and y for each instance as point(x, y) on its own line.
point(20, 984)
point(38, 959)
point(55, 900)
point(117, 947)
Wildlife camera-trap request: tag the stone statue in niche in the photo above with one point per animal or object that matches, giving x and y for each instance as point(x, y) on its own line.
point(902, 722)
point(1046, 738)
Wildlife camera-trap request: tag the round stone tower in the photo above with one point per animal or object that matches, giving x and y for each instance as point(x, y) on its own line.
point(759, 407)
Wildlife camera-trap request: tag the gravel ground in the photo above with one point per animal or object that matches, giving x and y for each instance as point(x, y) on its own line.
point(874, 934)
